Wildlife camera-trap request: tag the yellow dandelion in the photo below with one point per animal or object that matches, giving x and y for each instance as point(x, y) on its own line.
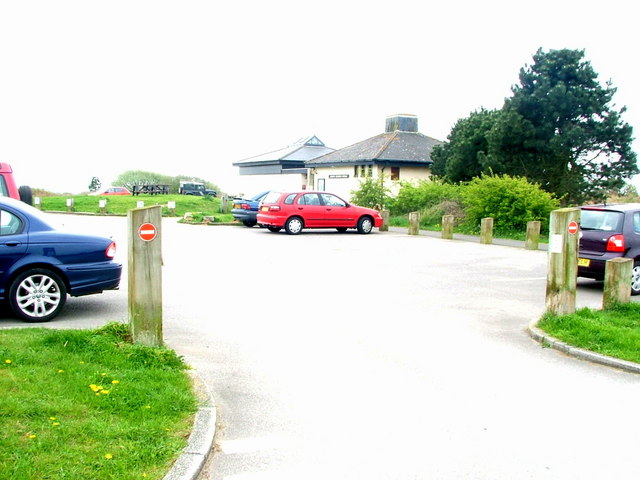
point(53, 419)
point(147, 406)
point(105, 392)
point(7, 361)
point(81, 362)
point(115, 382)
point(56, 424)
point(32, 436)
point(108, 456)
point(60, 371)
point(104, 374)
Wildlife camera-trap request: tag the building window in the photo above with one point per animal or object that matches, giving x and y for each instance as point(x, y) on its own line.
point(395, 173)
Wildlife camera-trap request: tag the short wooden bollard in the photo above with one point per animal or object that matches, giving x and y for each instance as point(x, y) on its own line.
point(447, 227)
point(617, 277)
point(385, 221)
point(37, 202)
point(486, 231)
point(145, 275)
point(69, 204)
point(414, 223)
point(533, 235)
point(562, 268)
point(224, 204)
point(171, 205)
point(102, 203)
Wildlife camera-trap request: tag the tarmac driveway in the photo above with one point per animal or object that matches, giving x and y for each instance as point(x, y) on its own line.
point(384, 356)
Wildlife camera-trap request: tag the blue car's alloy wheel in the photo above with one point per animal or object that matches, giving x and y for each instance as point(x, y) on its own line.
point(37, 295)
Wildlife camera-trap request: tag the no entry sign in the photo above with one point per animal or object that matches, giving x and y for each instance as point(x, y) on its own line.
point(573, 227)
point(147, 232)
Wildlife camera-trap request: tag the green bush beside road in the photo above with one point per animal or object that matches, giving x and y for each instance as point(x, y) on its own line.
point(78, 404)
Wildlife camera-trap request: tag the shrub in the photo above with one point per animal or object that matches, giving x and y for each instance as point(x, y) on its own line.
point(372, 194)
point(510, 201)
point(424, 195)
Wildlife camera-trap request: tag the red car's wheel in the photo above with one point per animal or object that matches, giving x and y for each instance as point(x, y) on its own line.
point(294, 225)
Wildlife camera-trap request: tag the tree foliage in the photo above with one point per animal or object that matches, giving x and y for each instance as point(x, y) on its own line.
point(559, 129)
point(95, 184)
point(139, 177)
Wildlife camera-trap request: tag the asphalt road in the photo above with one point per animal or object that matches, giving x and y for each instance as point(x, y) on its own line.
point(384, 356)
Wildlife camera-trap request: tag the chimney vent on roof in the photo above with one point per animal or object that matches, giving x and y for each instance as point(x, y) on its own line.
point(403, 123)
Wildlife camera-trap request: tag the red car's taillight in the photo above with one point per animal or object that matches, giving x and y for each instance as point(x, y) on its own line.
point(274, 208)
point(615, 243)
point(110, 252)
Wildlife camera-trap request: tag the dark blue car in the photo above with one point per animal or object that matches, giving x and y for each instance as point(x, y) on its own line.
point(245, 210)
point(40, 266)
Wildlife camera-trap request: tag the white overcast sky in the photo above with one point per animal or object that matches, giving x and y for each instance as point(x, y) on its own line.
point(92, 88)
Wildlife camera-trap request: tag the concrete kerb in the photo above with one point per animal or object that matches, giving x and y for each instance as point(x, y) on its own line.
point(548, 341)
point(190, 463)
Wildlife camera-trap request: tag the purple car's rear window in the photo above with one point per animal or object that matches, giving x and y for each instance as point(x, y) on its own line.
point(603, 220)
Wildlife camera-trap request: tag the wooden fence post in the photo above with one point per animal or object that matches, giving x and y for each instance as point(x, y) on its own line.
point(486, 230)
point(385, 221)
point(171, 205)
point(102, 203)
point(414, 223)
point(562, 269)
point(617, 277)
point(145, 275)
point(37, 202)
point(533, 235)
point(70, 205)
point(447, 227)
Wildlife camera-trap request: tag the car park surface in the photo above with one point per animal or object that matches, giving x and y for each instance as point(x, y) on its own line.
point(41, 265)
point(407, 370)
point(606, 232)
point(295, 211)
point(245, 210)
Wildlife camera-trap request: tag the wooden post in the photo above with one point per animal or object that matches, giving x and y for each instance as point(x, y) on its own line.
point(562, 261)
point(145, 275)
point(37, 202)
point(447, 227)
point(533, 235)
point(385, 221)
point(171, 205)
point(414, 223)
point(102, 203)
point(617, 278)
point(486, 230)
point(224, 204)
point(69, 204)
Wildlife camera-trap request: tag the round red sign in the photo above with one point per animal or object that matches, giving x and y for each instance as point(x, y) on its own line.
point(573, 228)
point(147, 232)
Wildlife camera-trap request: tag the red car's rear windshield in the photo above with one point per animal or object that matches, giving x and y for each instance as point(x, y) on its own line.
point(272, 197)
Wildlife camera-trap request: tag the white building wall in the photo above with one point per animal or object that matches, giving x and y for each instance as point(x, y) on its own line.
point(341, 180)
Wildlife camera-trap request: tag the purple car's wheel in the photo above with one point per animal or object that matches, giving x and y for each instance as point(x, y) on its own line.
point(635, 279)
point(37, 295)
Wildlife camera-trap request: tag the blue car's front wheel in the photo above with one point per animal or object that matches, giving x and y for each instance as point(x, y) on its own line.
point(37, 295)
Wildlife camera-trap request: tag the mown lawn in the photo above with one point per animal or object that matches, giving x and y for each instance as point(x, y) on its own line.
point(121, 204)
point(79, 404)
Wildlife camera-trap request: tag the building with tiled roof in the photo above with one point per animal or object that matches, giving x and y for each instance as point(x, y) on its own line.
point(400, 153)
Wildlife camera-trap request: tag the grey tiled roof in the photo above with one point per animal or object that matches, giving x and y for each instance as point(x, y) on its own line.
point(397, 147)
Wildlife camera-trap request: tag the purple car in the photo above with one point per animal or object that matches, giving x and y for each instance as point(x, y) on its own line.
point(606, 232)
point(40, 266)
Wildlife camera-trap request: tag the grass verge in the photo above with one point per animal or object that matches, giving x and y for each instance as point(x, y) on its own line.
point(121, 204)
point(78, 404)
point(613, 332)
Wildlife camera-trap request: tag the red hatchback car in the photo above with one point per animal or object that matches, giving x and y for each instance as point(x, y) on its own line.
point(295, 211)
